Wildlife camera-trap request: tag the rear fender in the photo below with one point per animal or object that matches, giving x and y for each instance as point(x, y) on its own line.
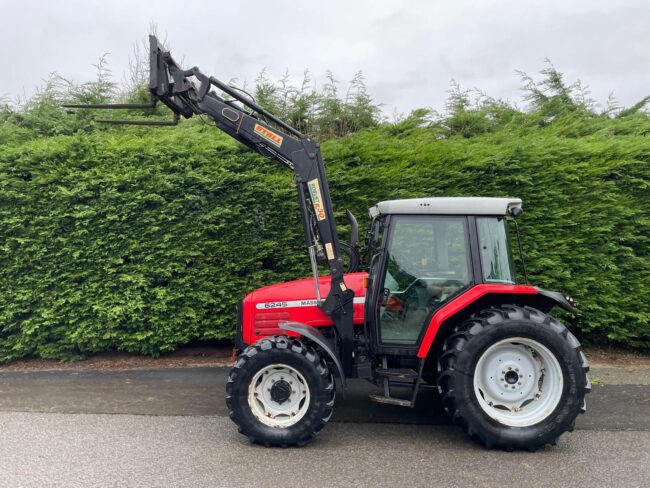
point(473, 300)
point(480, 297)
point(316, 336)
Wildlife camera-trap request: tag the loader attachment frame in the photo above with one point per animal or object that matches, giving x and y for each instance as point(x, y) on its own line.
point(190, 92)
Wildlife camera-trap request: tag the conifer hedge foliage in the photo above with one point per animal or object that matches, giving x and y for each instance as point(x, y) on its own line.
point(142, 240)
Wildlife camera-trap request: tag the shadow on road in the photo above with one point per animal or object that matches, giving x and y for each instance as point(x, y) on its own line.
point(200, 392)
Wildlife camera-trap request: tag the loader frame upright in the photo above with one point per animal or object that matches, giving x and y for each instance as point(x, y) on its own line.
point(190, 92)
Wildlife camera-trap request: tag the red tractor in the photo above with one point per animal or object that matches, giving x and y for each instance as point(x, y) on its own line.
point(439, 307)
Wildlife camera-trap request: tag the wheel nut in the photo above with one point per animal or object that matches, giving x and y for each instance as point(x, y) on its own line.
point(519, 383)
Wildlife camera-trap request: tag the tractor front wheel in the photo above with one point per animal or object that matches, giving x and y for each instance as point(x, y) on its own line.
point(280, 392)
point(513, 377)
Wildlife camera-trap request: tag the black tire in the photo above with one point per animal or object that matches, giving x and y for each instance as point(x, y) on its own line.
point(461, 353)
point(304, 359)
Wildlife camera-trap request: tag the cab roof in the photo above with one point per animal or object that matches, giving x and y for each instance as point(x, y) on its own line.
point(447, 206)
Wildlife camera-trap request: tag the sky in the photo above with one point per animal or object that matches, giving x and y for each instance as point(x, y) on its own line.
point(408, 50)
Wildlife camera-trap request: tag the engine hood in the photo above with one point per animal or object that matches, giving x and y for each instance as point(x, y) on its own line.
point(264, 308)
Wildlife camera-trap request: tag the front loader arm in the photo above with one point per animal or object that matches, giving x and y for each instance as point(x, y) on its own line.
point(303, 156)
point(190, 92)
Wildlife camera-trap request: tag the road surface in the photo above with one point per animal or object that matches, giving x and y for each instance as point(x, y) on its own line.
point(169, 427)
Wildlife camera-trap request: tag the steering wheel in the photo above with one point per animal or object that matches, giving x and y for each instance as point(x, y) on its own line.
point(441, 290)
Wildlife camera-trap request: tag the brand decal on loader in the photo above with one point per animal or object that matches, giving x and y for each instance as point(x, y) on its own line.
point(270, 136)
point(316, 199)
point(329, 250)
point(297, 304)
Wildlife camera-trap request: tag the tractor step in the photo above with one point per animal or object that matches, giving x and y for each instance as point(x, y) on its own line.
point(398, 374)
point(391, 400)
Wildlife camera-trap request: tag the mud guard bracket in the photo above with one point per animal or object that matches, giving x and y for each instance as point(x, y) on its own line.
point(558, 299)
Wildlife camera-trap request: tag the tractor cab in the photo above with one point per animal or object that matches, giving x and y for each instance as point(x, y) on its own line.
point(425, 252)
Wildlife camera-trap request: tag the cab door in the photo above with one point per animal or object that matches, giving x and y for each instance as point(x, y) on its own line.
point(425, 262)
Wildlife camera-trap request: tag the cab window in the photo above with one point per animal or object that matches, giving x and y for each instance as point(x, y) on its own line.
point(494, 243)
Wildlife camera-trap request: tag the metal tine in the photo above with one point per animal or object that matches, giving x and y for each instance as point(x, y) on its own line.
point(158, 123)
point(113, 106)
point(119, 106)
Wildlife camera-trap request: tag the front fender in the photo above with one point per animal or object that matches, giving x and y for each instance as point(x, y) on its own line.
point(313, 334)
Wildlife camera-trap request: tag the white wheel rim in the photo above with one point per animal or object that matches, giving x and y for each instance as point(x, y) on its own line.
point(269, 411)
point(518, 382)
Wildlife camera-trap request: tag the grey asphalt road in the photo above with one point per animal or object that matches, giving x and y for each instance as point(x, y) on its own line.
point(170, 428)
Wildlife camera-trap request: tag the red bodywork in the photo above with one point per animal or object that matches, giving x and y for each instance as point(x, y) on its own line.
point(463, 301)
point(265, 308)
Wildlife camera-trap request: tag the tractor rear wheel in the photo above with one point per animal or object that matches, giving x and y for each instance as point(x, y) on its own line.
point(513, 377)
point(280, 392)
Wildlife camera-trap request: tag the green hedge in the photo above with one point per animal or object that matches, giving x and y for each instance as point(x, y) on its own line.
point(143, 240)
point(586, 192)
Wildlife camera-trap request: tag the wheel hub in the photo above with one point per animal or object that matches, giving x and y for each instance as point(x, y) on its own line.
point(280, 391)
point(511, 377)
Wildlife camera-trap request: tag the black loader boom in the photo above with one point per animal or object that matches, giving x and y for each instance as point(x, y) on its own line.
point(190, 92)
